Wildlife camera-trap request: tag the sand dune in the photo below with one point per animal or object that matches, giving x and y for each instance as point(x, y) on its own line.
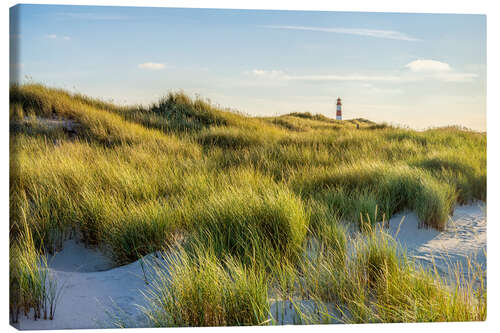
point(92, 287)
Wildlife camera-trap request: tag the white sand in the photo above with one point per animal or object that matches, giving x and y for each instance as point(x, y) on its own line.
point(463, 239)
point(90, 289)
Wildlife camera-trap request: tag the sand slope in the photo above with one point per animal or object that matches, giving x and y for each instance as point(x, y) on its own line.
point(463, 239)
point(88, 291)
point(91, 287)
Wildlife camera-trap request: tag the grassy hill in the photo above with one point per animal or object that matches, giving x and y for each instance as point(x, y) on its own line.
point(132, 180)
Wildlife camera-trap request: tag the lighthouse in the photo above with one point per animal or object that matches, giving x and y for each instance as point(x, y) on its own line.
point(339, 109)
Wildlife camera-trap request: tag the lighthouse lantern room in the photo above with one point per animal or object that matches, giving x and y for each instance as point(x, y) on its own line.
point(339, 109)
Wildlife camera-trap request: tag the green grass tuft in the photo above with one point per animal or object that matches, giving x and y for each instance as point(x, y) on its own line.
point(199, 290)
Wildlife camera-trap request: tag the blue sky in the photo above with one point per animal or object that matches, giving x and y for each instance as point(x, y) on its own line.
point(418, 70)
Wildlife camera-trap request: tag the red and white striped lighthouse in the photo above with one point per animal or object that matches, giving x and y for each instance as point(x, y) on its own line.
point(339, 109)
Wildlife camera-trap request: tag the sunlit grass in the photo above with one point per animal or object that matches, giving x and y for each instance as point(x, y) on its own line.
point(200, 290)
point(253, 192)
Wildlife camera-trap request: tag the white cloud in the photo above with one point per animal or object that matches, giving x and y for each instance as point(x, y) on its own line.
point(425, 65)
point(51, 36)
point(152, 66)
point(387, 34)
point(67, 38)
point(438, 70)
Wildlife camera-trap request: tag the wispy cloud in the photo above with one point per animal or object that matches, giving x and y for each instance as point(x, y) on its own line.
point(419, 70)
point(455, 77)
point(151, 66)
point(387, 34)
point(266, 73)
point(54, 36)
point(350, 77)
point(278, 74)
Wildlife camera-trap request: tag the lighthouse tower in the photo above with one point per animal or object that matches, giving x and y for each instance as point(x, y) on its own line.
point(339, 109)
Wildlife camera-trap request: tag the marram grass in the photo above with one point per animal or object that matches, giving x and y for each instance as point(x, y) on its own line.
point(253, 192)
point(373, 282)
point(200, 290)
